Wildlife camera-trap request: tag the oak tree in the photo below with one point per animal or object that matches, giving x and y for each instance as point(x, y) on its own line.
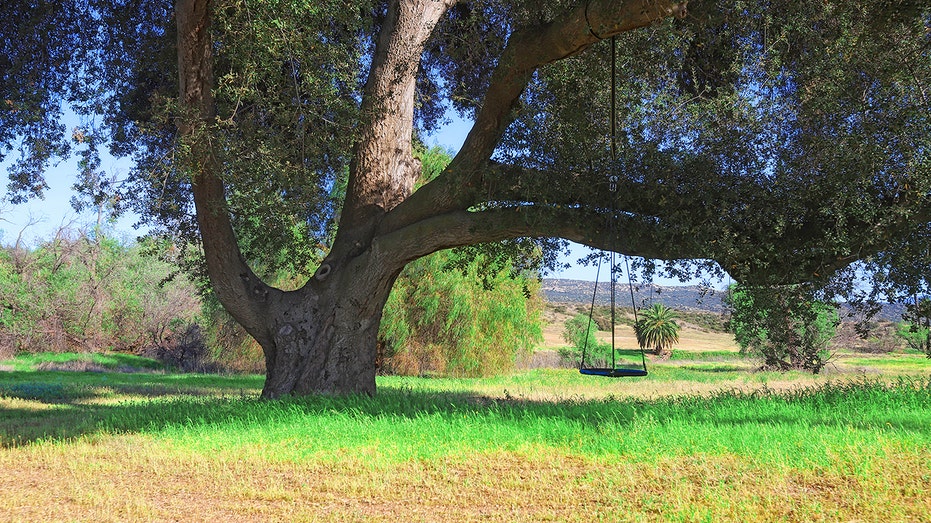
point(780, 141)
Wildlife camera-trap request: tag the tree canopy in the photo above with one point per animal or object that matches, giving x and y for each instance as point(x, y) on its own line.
point(780, 141)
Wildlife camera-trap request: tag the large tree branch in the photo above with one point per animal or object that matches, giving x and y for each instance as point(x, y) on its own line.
point(718, 209)
point(240, 291)
point(527, 50)
point(502, 183)
point(685, 216)
point(534, 47)
point(383, 171)
point(625, 233)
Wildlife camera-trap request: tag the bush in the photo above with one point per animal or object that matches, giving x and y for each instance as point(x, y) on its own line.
point(783, 325)
point(916, 336)
point(916, 329)
point(579, 333)
point(458, 322)
point(83, 292)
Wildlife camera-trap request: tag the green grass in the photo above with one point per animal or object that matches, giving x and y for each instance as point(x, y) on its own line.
point(108, 361)
point(402, 424)
point(535, 445)
point(894, 362)
point(707, 355)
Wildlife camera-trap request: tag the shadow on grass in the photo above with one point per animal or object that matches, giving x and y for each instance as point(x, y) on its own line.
point(55, 404)
point(158, 408)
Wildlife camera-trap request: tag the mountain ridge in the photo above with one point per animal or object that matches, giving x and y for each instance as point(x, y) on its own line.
point(679, 297)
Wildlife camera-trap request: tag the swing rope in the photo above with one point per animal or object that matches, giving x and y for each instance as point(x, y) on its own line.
point(633, 303)
point(591, 313)
point(612, 371)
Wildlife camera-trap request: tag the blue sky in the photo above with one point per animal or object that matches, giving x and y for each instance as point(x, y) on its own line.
point(39, 219)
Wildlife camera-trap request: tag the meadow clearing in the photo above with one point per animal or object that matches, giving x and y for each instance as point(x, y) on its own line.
point(704, 437)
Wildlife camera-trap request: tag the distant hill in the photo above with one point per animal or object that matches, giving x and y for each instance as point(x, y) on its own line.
point(684, 297)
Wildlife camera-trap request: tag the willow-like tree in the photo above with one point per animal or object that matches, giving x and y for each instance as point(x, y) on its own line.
point(781, 141)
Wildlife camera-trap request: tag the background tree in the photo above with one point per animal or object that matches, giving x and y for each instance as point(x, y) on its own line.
point(916, 327)
point(780, 141)
point(657, 328)
point(445, 321)
point(579, 333)
point(786, 326)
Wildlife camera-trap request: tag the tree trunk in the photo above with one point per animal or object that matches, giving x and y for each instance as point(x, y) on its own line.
point(325, 335)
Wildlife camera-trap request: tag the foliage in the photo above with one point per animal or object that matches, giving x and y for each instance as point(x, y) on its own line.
point(745, 143)
point(459, 323)
point(465, 312)
point(579, 333)
point(657, 328)
point(754, 87)
point(90, 292)
point(916, 336)
point(786, 326)
point(916, 329)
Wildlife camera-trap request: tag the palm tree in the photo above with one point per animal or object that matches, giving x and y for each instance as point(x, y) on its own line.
point(657, 328)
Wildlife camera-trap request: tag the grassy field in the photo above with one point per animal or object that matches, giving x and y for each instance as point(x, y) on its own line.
point(701, 439)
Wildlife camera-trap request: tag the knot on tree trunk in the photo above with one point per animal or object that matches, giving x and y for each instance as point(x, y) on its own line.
point(323, 272)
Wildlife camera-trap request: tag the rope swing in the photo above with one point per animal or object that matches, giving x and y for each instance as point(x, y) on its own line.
point(613, 371)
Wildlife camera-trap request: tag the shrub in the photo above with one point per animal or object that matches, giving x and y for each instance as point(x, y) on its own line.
point(916, 329)
point(579, 333)
point(783, 325)
point(916, 336)
point(85, 292)
point(458, 322)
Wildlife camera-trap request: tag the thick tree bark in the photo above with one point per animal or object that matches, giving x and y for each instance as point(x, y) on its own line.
point(325, 337)
point(321, 338)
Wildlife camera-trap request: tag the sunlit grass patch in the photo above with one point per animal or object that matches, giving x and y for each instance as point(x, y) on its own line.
point(694, 440)
point(82, 361)
point(402, 424)
point(900, 363)
point(706, 355)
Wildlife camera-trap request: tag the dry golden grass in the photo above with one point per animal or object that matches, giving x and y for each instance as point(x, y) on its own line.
point(132, 478)
point(691, 338)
